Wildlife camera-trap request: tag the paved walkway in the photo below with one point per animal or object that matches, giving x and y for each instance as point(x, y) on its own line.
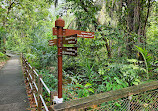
point(12, 89)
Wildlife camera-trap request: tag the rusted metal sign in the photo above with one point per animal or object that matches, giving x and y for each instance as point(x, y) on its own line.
point(70, 39)
point(52, 42)
point(72, 51)
point(68, 32)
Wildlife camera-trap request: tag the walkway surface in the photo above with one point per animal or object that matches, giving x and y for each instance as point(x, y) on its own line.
point(13, 95)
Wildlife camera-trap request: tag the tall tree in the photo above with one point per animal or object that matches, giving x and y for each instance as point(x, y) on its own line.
point(136, 16)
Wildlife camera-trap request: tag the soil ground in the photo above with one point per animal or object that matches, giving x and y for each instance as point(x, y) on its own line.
point(2, 64)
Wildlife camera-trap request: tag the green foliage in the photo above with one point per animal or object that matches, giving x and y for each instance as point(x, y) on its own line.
point(117, 76)
point(74, 91)
point(49, 79)
point(147, 60)
point(2, 34)
point(3, 56)
point(84, 90)
point(152, 35)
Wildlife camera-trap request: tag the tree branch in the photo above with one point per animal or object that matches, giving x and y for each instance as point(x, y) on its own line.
point(147, 16)
point(56, 3)
point(10, 6)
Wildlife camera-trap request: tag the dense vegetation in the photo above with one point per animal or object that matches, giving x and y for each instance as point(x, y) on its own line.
point(3, 59)
point(123, 53)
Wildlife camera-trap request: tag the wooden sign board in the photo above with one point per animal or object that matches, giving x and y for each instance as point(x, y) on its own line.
point(52, 42)
point(66, 40)
point(70, 39)
point(69, 32)
point(72, 51)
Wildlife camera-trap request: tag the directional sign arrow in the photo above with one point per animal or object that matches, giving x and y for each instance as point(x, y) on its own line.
point(68, 32)
point(70, 39)
point(52, 42)
point(72, 51)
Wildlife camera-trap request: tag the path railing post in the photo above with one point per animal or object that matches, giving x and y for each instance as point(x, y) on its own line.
point(28, 70)
point(33, 77)
point(24, 67)
point(27, 75)
point(51, 98)
point(40, 88)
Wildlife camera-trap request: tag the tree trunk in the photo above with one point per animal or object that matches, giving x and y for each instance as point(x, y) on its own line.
point(107, 47)
point(146, 19)
point(130, 20)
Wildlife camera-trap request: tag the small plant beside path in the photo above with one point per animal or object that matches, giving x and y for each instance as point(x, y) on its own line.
point(3, 59)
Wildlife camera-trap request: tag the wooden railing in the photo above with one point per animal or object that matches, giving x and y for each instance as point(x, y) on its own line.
point(97, 99)
point(36, 85)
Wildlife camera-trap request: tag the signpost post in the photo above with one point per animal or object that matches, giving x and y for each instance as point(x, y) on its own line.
point(70, 38)
point(59, 23)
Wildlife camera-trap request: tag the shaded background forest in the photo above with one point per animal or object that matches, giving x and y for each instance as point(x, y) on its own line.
point(123, 53)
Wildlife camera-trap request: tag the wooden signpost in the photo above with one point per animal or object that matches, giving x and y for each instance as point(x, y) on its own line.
point(70, 38)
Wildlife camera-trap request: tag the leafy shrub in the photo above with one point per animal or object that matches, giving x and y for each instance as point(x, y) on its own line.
point(75, 91)
point(3, 56)
point(116, 76)
point(49, 79)
point(147, 60)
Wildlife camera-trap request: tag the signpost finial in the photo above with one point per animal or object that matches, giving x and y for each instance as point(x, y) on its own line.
point(59, 22)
